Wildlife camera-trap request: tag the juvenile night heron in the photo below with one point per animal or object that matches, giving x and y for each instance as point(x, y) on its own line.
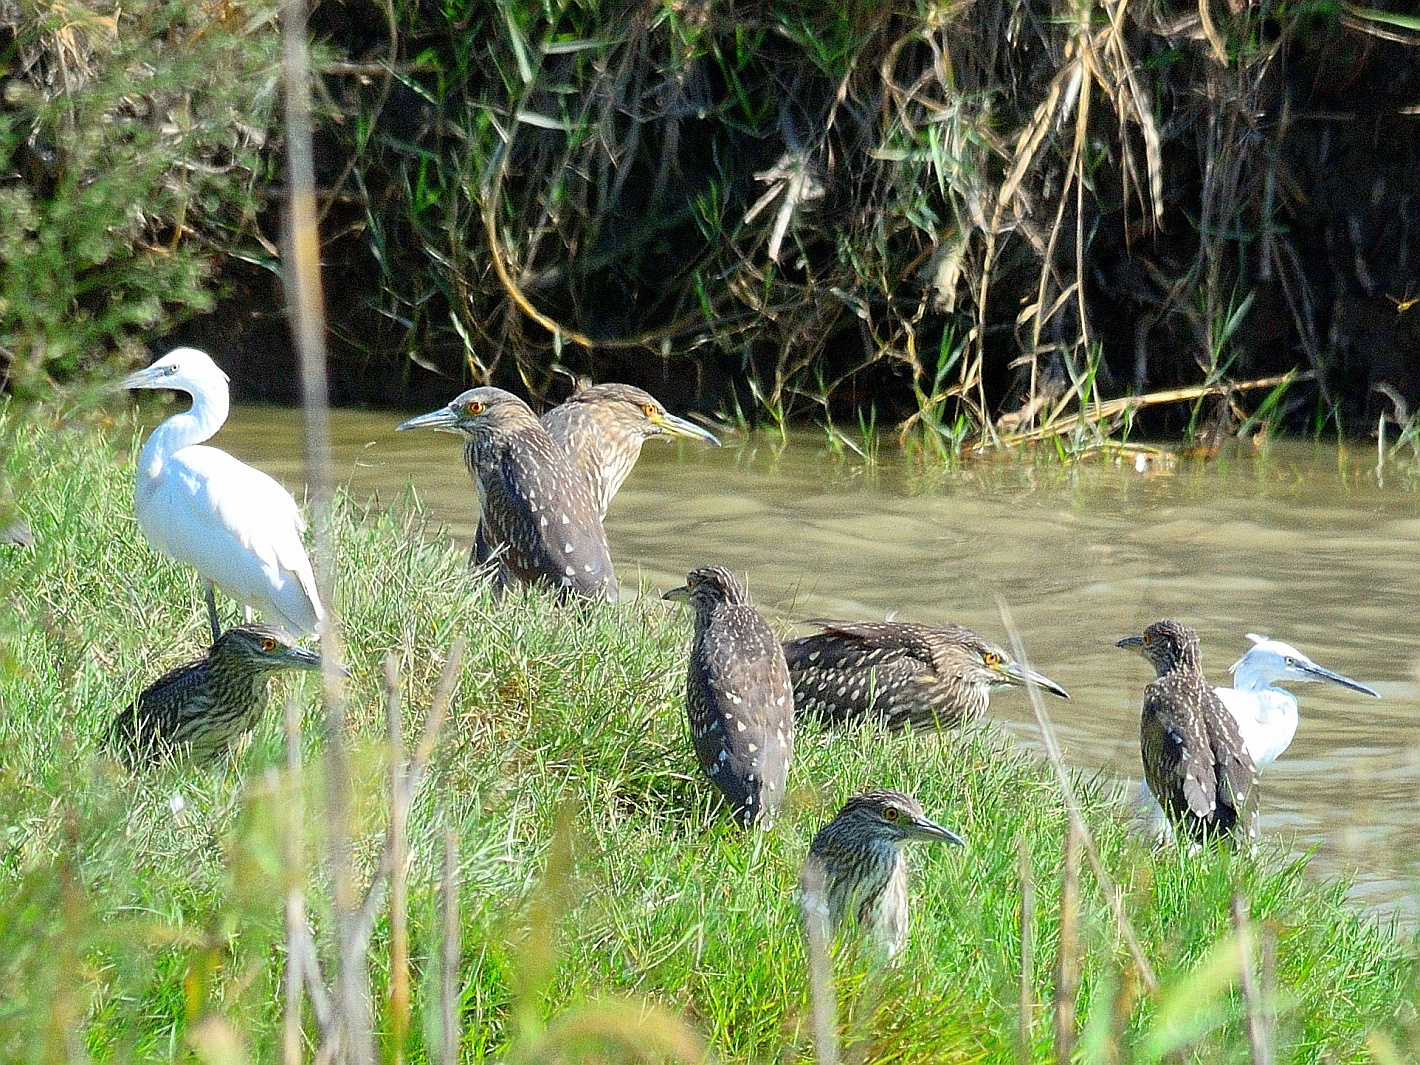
point(1266, 715)
point(232, 523)
point(539, 517)
point(602, 428)
point(1195, 763)
point(204, 707)
point(856, 870)
point(738, 695)
point(900, 673)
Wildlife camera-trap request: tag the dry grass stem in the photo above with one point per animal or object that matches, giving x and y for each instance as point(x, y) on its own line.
point(450, 954)
point(1104, 882)
point(822, 1001)
point(1067, 969)
point(1025, 1006)
point(1259, 1009)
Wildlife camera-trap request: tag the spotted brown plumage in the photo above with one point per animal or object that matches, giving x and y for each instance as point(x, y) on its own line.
point(539, 517)
point(1195, 762)
point(900, 673)
point(738, 696)
point(602, 428)
point(205, 706)
point(856, 871)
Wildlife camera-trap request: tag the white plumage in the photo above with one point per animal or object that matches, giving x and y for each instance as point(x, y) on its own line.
point(232, 523)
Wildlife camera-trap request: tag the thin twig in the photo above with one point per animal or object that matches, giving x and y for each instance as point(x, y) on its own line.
point(398, 848)
point(814, 902)
point(1103, 880)
point(1067, 969)
point(450, 953)
point(1026, 998)
point(1259, 1027)
point(351, 1041)
point(291, 1048)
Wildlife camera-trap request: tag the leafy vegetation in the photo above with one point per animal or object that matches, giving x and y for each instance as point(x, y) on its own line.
point(130, 139)
point(608, 910)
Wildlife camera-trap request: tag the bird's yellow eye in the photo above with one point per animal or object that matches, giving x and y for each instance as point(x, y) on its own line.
point(991, 658)
point(473, 408)
point(891, 813)
point(268, 644)
point(648, 409)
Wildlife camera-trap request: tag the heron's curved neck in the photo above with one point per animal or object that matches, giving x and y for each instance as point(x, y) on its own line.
point(194, 425)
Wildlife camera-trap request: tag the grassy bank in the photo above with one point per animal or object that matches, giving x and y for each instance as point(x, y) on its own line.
point(136, 909)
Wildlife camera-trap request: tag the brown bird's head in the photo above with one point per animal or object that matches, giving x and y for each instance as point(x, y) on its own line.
point(883, 815)
point(632, 412)
point(1169, 645)
point(709, 587)
point(479, 414)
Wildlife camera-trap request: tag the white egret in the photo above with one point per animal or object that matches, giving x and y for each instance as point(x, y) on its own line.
point(234, 524)
point(1266, 715)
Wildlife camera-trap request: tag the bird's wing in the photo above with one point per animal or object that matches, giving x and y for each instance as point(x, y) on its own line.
point(899, 637)
point(549, 543)
point(239, 528)
point(752, 700)
point(1233, 765)
point(1175, 741)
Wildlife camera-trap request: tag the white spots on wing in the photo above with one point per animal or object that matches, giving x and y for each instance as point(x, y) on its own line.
point(739, 725)
point(542, 522)
point(587, 566)
point(567, 549)
point(753, 747)
point(813, 656)
point(566, 520)
point(571, 571)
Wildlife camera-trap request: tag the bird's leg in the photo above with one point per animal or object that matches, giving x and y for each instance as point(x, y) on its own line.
point(212, 611)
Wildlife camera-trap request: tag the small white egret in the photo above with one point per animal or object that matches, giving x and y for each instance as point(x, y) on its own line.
point(1266, 715)
point(234, 524)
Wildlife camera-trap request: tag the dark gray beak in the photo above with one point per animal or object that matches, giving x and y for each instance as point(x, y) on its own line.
point(1322, 673)
point(443, 420)
point(926, 829)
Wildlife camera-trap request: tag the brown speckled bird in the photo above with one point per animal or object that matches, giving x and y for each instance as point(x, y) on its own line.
point(900, 673)
point(738, 695)
point(205, 706)
point(539, 516)
point(1195, 762)
point(602, 428)
point(856, 869)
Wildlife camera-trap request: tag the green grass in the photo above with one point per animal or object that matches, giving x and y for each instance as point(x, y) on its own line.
point(123, 923)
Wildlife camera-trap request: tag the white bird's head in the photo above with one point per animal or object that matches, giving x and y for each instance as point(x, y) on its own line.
point(185, 369)
point(1270, 661)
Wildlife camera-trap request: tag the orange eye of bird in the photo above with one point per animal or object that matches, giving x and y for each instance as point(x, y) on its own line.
point(1148, 639)
point(473, 408)
point(648, 410)
point(991, 658)
point(268, 644)
point(891, 813)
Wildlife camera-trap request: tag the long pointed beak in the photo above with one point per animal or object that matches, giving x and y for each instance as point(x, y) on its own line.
point(678, 595)
point(300, 658)
point(443, 419)
point(674, 426)
point(1322, 673)
point(1015, 673)
point(145, 378)
point(927, 829)
point(1134, 643)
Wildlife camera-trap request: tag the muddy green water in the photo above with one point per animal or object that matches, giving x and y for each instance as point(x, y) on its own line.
point(1302, 544)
